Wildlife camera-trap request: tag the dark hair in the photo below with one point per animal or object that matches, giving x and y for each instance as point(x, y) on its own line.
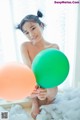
point(32, 18)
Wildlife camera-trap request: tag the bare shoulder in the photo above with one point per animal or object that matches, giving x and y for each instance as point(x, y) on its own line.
point(55, 46)
point(52, 45)
point(25, 46)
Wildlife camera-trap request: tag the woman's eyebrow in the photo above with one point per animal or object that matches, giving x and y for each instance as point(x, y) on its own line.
point(32, 26)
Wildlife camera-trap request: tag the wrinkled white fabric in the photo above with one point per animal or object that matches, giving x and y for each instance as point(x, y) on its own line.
point(65, 107)
point(17, 113)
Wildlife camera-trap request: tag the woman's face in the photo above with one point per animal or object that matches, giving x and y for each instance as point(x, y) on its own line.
point(33, 31)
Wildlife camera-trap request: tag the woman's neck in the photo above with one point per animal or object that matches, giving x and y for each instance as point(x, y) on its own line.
point(40, 43)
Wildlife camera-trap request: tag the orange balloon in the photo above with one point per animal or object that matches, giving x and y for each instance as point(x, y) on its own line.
point(17, 81)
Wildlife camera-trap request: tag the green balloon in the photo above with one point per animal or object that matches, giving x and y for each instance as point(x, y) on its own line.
point(50, 68)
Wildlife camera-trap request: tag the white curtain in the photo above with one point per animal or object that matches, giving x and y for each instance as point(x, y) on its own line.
point(7, 39)
point(61, 21)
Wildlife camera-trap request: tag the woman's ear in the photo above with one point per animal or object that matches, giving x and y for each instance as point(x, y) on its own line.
point(42, 26)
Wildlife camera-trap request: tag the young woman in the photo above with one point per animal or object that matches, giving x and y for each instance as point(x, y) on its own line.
point(33, 28)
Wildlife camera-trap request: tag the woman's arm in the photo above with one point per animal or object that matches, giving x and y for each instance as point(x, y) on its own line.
point(51, 93)
point(25, 54)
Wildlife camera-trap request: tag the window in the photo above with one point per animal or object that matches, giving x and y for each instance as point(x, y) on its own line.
point(61, 21)
point(61, 26)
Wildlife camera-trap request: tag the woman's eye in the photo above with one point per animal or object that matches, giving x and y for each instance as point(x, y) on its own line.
point(27, 33)
point(33, 28)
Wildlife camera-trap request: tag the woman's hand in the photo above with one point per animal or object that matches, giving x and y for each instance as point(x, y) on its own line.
point(39, 92)
point(35, 92)
point(42, 93)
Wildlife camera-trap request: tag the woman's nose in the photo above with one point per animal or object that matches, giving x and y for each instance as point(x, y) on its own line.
point(31, 35)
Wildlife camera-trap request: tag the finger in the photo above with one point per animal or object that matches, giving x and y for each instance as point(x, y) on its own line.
point(42, 95)
point(34, 95)
point(42, 90)
point(36, 86)
point(36, 92)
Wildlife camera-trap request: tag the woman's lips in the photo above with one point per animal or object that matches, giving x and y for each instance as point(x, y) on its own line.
point(34, 38)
